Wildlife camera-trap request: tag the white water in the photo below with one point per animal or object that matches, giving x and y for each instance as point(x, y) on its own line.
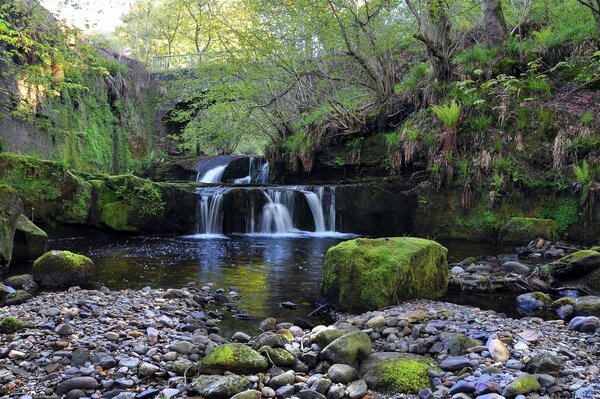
point(316, 207)
point(212, 175)
point(276, 217)
point(210, 214)
point(258, 172)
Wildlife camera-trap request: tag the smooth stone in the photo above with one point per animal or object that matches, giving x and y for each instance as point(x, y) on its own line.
point(376, 322)
point(147, 369)
point(462, 387)
point(182, 347)
point(282, 379)
point(452, 363)
point(341, 373)
point(284, 392)
point(241, 337)
point(250, 394)
point(498, 350)
point(76, 383)
point(357, 389)
point(64, 329)
point(129, 362)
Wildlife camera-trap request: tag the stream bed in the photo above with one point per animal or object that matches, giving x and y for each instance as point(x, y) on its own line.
point(267, 269)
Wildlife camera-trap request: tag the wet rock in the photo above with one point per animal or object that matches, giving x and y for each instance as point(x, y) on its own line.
point(147, 369)
point(241, 337)
point(357, 389)
point(250, 394)
point(23, 282)
point(283, 379)
point(64, 329)
point(498, 350)
point(395, 372)
point(533, 303)
point(522, 385)
point(278, 356)
point(268, 324)
point(544, 363)
point(587, 324)
point(17, 297)
point(515, 267)
point(270, 339)
point(56, 269)
point(453, 363)
point(182, 347)
point(341, 373)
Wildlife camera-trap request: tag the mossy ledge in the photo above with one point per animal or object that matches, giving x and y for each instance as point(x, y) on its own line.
point(367, 274)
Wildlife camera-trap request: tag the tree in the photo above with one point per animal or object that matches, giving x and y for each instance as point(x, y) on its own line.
point(434, 31)
point(494, 23)
point(594, 6)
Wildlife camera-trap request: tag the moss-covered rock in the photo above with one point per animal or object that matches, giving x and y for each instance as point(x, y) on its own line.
point(327, 336)
point(596, 248)
point(57, 269)
point(348, 349)
point(520, 230)
point(574, 265)
point(587, 306)
point(10, 325)
point(392, 372)
point(366, 274)
point(544, 363)
point(4, 291)
point(278, 356)
point(457, 344)
point(117, 216)
point(30, 240)
point(562, 302)
point(21, 282)
point(235, 358)
point(533, 303)
point(522, 385)
point(10, 210)
point(220, 387)
point(17, 297)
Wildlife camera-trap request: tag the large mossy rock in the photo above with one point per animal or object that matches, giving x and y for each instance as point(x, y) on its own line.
point(519, 230)
point(391, 372)
point(10, 210)
point(219, 387)
point(56, 269)
point(574, 265)
point(367, 274)
point(30, 241)
point(235, 358)
point(348, 349)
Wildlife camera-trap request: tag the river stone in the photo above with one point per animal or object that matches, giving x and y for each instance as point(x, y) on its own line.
point(544, 363)
point(391, 372)
point(453, 363)
point(268, 324)
point(577, 264)
point(269, 339)
point(357, 389)
point(533, 303)
point(520, 230)
point(282, 379)
point(278, 356)
point(515, 267)
point(348, 348)
point(236, 358)
point(459, 344)
point(327, 336)
point(61, 269)
point(76, 383)
point(368, 274)
point(147, 369)
point(23, 282)
point(17, 297)
point(587, 306)
point(341, 373)
point(250, 394)
point(498, 350)
point(64, 329)
point(183, 367)
point(241, 337)
point(376, 322)
point(587, 324)
point(182, 347)
point(522, 385)
point(220, 387)
point(11, 208)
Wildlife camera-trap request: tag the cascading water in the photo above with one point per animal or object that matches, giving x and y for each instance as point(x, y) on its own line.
point(209, 220)
point(276, 217)
point(212, 175)
point(316, 207)
point(258, 172)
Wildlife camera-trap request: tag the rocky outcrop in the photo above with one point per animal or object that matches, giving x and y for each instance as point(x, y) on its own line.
point(520, 230)
point(61, 269)
point(10, 210)
point(30, 240)
point(367, 274)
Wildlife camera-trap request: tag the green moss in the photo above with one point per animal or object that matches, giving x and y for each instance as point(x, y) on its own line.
point(521, 230)
point(562, 302)
point(565, 211)
point(66, 260)
point(10, 325)
point(236, 358)
point(116, 216)
point(367, 274)
point(577, 264)
point(278, 356)
point(470, 260)
point(403, 375)
point(522, 385)
point(540, 296)
point(596, 249)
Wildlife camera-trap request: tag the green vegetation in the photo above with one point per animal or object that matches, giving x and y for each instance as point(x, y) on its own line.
point(365, 274)
point(404, 375)
point(10, 325)
point(236, 358)
point(521, 230)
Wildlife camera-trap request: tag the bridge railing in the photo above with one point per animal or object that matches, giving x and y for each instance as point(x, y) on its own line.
point(165, 63)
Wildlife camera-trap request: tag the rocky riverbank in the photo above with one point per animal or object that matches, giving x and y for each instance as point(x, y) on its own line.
point(161, 343)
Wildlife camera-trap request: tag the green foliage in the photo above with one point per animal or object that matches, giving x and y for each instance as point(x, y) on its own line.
point(479, 54)
point(404, 375)
point(392, 140)
point(587, 118)
point(448, 114)
point(10, 325)
point(565, 211)
point(481, 123)
point(1, 144)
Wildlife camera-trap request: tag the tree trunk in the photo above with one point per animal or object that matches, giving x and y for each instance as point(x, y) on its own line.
point(494, 23)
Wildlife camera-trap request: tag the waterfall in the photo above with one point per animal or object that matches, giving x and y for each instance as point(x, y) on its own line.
point(212, 175)
point(276, 217)
point(316, 207)
point(209, 218)
point(332, 210)
point(258, 172)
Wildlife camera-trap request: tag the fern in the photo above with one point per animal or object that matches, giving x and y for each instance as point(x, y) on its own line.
point(448, 114)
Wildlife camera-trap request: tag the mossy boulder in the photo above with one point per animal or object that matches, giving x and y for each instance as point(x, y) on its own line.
point(278, 356)
point(30, 240)
point(21, 282)
point(520, 230)
point(587, 306)
point(348, 349)
point(327, 336)
point(574, 265)
point(367, 274)
point(56, 269)
point(563, 302)
point(533, 303)
point(596, 248)
point(391, 372)
point(235, 358)
point(10, 325)
point(457, 344)
point(522, 385)
point(11, 208)
point(17, 297)
point(219, 386)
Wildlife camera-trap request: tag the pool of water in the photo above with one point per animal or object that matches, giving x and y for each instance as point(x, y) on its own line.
point(268, 270)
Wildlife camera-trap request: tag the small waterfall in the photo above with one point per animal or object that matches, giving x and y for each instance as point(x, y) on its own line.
point(315, 202)
point(276, 217)
point(332, 210)
point(258, 172)
point(212, 175)
point(209, 218)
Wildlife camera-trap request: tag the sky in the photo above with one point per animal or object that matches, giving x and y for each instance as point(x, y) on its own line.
point(99, 15)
